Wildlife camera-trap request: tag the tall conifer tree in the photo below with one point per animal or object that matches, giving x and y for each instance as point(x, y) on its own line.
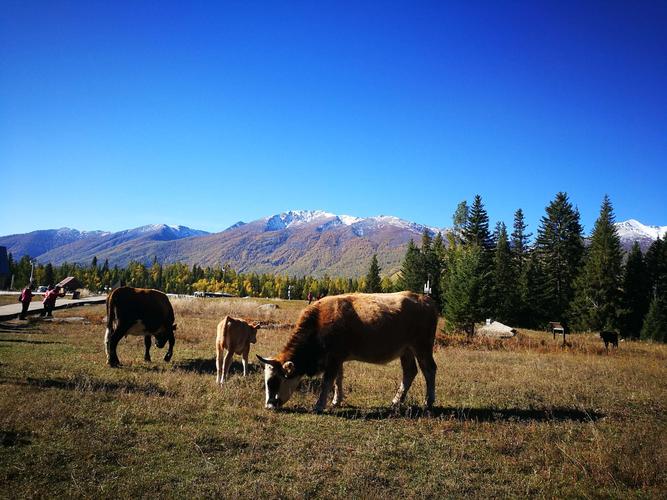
point(504, 285)
point(598, 289)
point(373, 281)
point(560, 248)
point(636, 298)
point(476, 229)
point(412, 271)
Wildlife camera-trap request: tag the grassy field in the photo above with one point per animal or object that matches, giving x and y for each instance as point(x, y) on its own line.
point(520, 417)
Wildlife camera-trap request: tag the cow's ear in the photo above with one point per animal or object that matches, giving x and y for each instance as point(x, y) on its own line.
point(288, 368)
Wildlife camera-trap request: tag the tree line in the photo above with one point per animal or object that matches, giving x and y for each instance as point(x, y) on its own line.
point(180, 278)
point(477, 273)
point(474, 273)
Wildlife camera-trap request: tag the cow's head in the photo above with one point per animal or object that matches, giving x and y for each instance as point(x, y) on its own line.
point(163, 336)
point(253, 333)
point(280, 381)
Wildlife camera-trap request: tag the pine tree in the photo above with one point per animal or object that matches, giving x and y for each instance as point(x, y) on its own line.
point(49, 275)
point(431, 250)
point(655, 323)
point(533, 299)
point(463, 289)
point(373, 281)
point(656, 267)
point(460, 219)
point(560, 248)
point(519, 242)
point(598, 287)
point(636, 298)
point(504, 285)
point(412, 271)
point(476, 229)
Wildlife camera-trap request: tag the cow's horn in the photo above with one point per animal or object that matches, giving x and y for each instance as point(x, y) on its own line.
point(288, 368)
point(264, 361)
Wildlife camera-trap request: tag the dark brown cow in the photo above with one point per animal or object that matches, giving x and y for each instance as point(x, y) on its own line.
point(609, 338)
point(375, 328)
point(138, 311)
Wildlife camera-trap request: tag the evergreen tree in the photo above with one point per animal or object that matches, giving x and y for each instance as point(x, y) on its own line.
point(560, 248)
point(598, 287)
point(49, 275)
point(519, 242)
point(656, 267)
point(430, 251)
point(504, 285)
point(373, 281)
point(463, 290)
point(460, 220)
point(412, 271)
point(532, 294)
point(476, 229)
point(635, 299)
point(655, 323)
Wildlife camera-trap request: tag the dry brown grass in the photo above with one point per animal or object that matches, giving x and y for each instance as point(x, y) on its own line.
point(523, 417)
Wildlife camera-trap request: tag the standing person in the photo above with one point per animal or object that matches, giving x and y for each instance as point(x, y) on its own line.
point(310, 297)
point(25, 298)
point(50, 300)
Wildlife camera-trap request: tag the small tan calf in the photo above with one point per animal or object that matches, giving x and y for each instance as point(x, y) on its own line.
point(235, 335)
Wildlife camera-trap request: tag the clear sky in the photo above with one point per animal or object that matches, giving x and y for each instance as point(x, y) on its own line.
point(119, 114)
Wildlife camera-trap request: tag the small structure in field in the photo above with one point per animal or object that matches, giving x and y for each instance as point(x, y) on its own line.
point(557, 328)
point(496, 329)
point(71, 284)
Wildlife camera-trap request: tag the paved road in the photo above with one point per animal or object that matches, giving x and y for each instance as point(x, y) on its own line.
point(13, 310)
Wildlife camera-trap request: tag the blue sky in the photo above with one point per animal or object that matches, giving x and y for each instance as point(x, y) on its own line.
point(119, 114)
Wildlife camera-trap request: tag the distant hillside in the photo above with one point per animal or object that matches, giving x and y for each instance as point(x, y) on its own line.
point(295, 243)
point(39, 242)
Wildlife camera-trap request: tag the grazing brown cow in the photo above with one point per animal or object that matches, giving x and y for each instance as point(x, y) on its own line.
point(138, 311)
point(375, 328)
point(235, 335)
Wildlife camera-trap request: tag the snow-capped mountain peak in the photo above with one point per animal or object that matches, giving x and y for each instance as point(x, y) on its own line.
point(634, 230)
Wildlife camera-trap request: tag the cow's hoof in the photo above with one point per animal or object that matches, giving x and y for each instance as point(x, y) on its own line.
point(167, 358)
point(114, 364)
point(318, 410)
point(147, 360)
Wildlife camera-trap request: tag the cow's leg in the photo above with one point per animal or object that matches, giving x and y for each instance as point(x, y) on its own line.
point(226, 364)
point(219, 351)
point(147, 348)
point(244, 358)
point(111, 339)
point(338, 388)
point(428, 368)
point(409, 372)
point(170, 349)
point(330, 374)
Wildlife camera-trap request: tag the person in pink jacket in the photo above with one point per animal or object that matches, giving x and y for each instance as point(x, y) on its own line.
point(50, 300)
point(25, 298)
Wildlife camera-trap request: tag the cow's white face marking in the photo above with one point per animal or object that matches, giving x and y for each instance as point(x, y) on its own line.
point(278, 388)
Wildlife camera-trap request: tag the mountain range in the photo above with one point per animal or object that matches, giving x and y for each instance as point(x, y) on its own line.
point(304, 242)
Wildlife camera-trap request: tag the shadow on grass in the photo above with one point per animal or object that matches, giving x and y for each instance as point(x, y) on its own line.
point(21, 341)
point(462, 414)
point(205, 366)
point(86, 384)
point(18, 327)
point(12, 438)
